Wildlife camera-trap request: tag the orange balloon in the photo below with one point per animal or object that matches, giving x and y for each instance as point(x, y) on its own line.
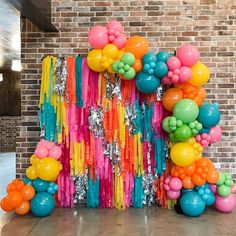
point(171, 97)
point(23, 208)
point(15, 198)
point(213, 177)
point(190, 170)
point(11, 187)
point(197, 180)
point(138, 66)
point(6, 205)
point(19, 185)
point(28, 192)
point(187, 182)
point(137, 45)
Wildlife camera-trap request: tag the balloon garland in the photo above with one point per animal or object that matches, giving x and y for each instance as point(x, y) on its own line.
point(110, 117)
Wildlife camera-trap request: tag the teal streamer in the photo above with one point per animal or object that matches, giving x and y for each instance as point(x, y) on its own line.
point(79, 97)
point(93, 193)
point(148, 121)
point(138, 193)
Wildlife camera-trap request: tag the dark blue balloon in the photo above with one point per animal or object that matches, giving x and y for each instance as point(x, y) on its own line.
point(161, 69)
point(163, 56)
point(209, 115)
point(192, 204)
point(204, 130)
point(40, 185)
point(149, 57)
point(147, 83)
point(42, 204)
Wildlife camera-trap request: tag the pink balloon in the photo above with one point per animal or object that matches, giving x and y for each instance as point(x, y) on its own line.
point(173, 195)
point(120, 41)
point(215, 134)
point(166, 187)
point(166, 80)
point(41, 152)
point(114, 25)
point(48, 145)
point(225, 204)
point(55, 152)
point(188, 55)
point(173, 63)
point(175, 184)
point(98, 37)
point(213, 188)
point(233, 189)
point(185, 74)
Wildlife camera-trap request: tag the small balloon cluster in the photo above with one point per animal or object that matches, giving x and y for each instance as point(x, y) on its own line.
point(36, 191)
point(192, 126)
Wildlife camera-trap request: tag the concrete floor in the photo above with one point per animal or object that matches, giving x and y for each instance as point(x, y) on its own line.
point(111, 222)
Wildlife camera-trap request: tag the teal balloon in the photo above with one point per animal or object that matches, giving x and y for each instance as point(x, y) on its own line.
point(163, 56)
point(184, 190)
point(161, 69)
point(186, 110)
point(224, 190)
point(130, 74)
point(192, 204)
point(221, 179)
point(128, 58)
point(147, 83)
point(115, 66)
point(28, 181)
point(42, 204)
point(40, 185)
point(165, 124)
point(183, 133)
point(209, 115)
point(204, 130)
point(211, 199)
point(149, 57)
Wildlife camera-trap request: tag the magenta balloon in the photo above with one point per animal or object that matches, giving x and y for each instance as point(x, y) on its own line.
point(185, 74)
point(175, 184)
point(98, 37)
point(188, 55)
point(215, 134)
point(173, 63)
point(120, 41)
point(173, 195)
point(41, 152)
point(213, 188)
point(225, 204)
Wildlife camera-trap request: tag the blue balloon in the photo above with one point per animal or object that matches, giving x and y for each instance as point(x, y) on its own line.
point(163, 56)
point(149, 57)
point(147, 83)
point(209, 115)
point(161, 69)
point(204, 130)
point(26, 180)
point(192, 204)
point(42, 204)
point(40, 185)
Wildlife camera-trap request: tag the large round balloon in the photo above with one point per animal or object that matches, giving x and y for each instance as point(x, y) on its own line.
point(171, 97)
point(98, 37)
point(42, 204)
point(188, 55)
point(200, 74)
point(209, 115)
point(186, 110)
point(40, 185)
point(31, 172)
point(137, 45)
point(225, 204)
point(147, 83)
point(182, 154)
point(192, 204)
point(94, 60)
point(163, 56)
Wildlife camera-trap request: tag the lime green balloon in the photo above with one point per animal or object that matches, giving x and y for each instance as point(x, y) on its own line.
point(186, 110)
point(223, 190)
point(165, 124)
point(229, 182)
point(115, 66)
point(172, 138)
point(128, 58)
point(183, 133)
point(221, 179)
point(130, 74)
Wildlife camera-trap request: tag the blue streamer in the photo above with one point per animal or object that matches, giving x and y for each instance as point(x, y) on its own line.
point(93, 193)
point(138, 193)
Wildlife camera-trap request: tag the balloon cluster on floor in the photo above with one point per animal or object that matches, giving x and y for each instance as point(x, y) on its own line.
point(36, 192)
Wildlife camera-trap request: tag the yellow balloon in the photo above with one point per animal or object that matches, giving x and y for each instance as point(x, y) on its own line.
point(120, 54)
point(110, 70)
point(48, 169)
point(34, 160)
point(183, 154)
point(31, 173)
point(110, 51)
point(94, 60)
point(197, 148)
point(200, 74)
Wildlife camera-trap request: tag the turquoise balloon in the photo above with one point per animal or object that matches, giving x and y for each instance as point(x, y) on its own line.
point(115, 66)
point(128, 58)
point(130, 74)
point(42, 204)
point(209, 115)
point(147, 83)
point(40, 185)
point(149, 57)
point(28, 181)
point(192, 204)
point(183, 133)
point(211, 199)
point(186, 110)
point(161, 69)
point(163, 56)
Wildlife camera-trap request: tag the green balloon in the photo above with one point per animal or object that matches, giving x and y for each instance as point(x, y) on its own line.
point(126, 67)
point(229, 182)
point(130, 74)
point(172, 138)
point(165, 124)
point(115, 66)
point(128, 58)
point(223, 190)
point(121, 71)
point(120, 65)
point(183, 133)
point(221, 179)
point(186, 110)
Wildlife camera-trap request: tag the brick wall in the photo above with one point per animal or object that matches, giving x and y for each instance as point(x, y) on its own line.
point(9, 126)
point(167, 24)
